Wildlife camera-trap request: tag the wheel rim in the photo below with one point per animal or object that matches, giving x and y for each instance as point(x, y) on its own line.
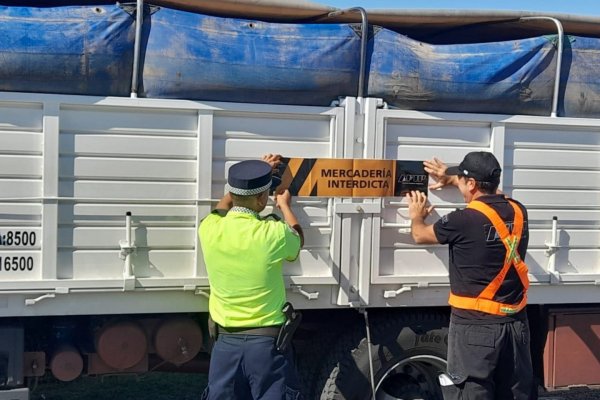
point(412, 378)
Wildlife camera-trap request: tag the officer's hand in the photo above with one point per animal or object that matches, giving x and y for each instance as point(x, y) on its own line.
point(418, 206)
point(437, 170)
point(273, 159)
point(283, 199)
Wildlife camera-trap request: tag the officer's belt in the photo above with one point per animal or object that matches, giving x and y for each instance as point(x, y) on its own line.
point(272, 331)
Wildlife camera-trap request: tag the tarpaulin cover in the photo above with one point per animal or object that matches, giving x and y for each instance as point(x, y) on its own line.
point(195, 56)
point(71, 50)
point(89, 50)
point(579, 94)
point(513, 77)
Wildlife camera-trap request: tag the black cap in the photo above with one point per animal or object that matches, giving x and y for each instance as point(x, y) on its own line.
point(249, 177)
point(479, 165)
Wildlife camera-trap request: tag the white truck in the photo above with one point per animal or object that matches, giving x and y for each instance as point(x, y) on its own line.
point(101, 198)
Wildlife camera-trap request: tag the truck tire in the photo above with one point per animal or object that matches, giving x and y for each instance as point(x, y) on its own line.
point(309, 357)
point(409, 352)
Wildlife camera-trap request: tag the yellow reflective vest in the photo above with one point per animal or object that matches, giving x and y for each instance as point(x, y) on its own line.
point(243, 255)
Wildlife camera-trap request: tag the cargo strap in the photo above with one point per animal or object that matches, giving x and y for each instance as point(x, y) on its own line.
point(485, 301)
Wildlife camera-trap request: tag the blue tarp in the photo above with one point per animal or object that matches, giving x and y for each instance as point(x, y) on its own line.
point(513, 77)
point(579, 94)
point(196, 56)
point(89, 50)
point(71, 50)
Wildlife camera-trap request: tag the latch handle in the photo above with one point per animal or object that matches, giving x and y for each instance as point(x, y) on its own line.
point(308, 295)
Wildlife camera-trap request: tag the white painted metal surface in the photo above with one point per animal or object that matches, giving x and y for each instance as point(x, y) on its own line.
point(72, 167)
point(551, 165)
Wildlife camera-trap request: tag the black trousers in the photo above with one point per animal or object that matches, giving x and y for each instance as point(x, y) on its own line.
point(489, 362)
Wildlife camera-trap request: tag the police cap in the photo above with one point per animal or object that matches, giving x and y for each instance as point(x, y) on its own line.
point(250, 177)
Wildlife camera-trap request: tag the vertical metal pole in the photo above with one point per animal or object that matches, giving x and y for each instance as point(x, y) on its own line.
point(554, 243)
point(371, 374)
point(363, 44)
point(139, 20)
point(558, 59)
point(128, 273)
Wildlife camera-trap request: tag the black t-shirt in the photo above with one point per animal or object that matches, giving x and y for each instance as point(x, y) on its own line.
point(477, 255)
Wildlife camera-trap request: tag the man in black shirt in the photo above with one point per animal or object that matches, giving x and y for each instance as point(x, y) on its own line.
point(488, 340)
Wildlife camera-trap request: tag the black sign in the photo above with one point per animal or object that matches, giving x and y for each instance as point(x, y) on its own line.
point(410, 175)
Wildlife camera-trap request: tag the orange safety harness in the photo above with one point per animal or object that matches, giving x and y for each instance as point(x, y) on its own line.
point(485, 301)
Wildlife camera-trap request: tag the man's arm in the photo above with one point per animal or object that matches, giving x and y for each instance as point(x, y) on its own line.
point(418, 211)
point(225, 203)
point(283, 202)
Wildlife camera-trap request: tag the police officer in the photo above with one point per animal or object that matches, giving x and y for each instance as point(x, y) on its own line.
point(488, 339)
point(243, 254)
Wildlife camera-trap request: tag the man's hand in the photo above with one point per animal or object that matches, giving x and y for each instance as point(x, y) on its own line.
point(418, 210)
point(283, 199)
point(437, 170)
point(418, 207)
point(273, 159)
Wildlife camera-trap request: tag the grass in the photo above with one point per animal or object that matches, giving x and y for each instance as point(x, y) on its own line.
point(176, 386)
point(154, 385)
